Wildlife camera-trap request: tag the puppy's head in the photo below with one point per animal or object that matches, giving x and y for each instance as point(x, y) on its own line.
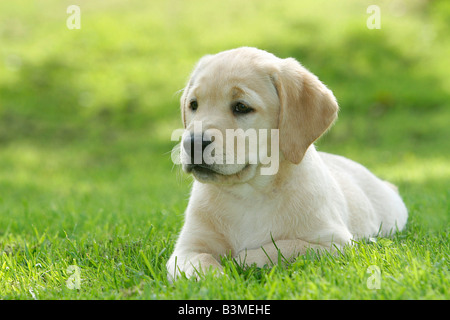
point(235, 94)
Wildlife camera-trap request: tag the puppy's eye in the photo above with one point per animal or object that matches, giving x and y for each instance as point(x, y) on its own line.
point(241, 108)
point(193, 105)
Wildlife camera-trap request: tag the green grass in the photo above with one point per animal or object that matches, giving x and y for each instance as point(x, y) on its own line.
point(86, 116)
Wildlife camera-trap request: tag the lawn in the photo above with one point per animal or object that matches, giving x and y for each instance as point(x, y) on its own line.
point(88, 191)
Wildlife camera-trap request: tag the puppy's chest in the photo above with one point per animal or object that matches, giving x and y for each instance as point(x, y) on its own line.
point(250, 225)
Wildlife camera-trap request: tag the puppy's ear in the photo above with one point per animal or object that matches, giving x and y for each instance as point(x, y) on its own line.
point(307, 108)
point(183, 100)
point(183, 103)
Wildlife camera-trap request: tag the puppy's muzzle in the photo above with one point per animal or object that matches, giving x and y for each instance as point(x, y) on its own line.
point(194, 145)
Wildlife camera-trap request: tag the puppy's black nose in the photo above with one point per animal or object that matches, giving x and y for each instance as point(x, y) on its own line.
point(194, 145)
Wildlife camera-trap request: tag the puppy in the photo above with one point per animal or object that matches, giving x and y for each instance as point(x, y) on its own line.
point(311, 200)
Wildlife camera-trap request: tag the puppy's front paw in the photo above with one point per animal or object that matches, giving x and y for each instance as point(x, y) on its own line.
point(252, 257)
point(194, 267)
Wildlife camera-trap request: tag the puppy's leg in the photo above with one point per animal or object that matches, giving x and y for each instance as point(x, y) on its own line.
point(196, 251)
point(191, 264)
point(269, 253)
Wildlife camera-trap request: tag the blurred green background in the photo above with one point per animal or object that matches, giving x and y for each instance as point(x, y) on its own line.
point(89, 112)
point(86, 115)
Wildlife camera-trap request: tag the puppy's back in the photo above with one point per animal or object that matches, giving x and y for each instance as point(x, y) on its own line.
point(374, 204)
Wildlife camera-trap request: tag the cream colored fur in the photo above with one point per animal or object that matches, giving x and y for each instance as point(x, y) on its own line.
point(316, 200)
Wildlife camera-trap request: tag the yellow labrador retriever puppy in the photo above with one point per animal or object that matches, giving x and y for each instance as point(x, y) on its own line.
point(308, 199)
